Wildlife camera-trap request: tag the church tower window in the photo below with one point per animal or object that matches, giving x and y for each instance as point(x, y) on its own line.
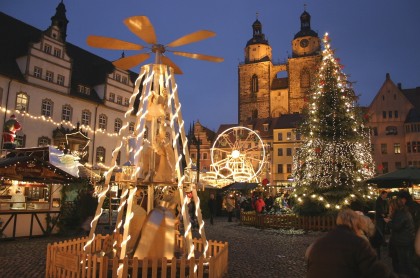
point(254, 84)
point(305, 79)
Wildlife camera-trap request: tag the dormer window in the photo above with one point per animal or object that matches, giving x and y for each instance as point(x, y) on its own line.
point(83, 89)
point(47, 48)
point(118, 77)
point(57, 52)
point(124, 80)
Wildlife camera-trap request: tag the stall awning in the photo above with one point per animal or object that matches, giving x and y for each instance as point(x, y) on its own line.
point(404, 177)
point(241, 186)
point(29, 168)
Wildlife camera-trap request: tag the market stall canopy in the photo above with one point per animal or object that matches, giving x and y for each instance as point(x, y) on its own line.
point(241, 186)
point(33, 169)
point(404, 177)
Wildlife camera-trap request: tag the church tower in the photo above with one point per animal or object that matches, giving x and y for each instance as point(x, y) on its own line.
point(302, 67)
point(269, 90)
point(254, 77)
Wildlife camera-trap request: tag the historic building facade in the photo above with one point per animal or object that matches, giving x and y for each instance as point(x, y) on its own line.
point(62, 95)
point(394, 120)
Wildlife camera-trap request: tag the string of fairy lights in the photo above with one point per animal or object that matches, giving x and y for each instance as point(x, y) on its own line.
point(335, 150)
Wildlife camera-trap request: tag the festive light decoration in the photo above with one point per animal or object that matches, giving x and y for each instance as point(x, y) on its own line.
point(335, 157)
point(238, 154)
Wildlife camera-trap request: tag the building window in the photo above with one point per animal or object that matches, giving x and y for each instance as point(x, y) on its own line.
point(289, 168)
point(66, 113)
point(383, 149)
point(37, 72)
point(289, 136)
point(83, 89)
point(289, 151)
point(280, 136)
point(60, 79)
point(390, 114)
point(20, 140)
point(57, 52)
point(126, 101)
point(44, 141)
point(408, 147)
point(298, 135)
point(391, 130)
point(398, 165)
point(305, 79)
point(193, 156)
point(124, 80)
point(49, 76)
point(397, 148)
point(204, 156)
point(119, 99)
point(396, 114)
point(375, 131)
point(280, 168)
point(47, 108)
point(86, 117)
point(118, 77)
point(22, 101)
point(254, 84)
point(131, 127)
point(100, 155)
point(103, 119)
point(117, 125)
point(280, 152)
point(47, 48)
point(384, 114)
point(111, 97)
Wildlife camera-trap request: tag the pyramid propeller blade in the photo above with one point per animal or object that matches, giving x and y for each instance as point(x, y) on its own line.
point(193, 37)
point(199, 56)
point(142, 27)
point(165, 60)
point(131, 61)
point(111, 43)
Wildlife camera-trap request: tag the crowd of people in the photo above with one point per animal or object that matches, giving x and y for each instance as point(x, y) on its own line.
point(354, 247)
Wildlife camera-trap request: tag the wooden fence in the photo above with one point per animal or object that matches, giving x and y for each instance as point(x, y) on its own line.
point(67, 259)
point(288, 221)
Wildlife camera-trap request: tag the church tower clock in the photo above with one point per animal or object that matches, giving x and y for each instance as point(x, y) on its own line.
point(254, 77)
point(306, 48)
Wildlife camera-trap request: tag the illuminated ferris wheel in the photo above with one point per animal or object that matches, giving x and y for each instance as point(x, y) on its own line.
point(238, 154)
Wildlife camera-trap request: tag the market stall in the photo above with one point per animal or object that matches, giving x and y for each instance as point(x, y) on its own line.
point(30, 198)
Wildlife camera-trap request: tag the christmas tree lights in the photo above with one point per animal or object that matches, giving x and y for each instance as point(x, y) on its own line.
point(335, 157)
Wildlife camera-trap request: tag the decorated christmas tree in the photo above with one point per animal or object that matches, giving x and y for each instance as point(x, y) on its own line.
point(334, 159)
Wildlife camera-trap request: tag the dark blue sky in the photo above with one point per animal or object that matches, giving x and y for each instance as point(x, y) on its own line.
point(371, 38)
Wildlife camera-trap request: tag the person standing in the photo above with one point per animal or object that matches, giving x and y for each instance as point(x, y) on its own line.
point(230, 207)
point(342, 253)
point(259, 205)
point(381, 207)
point(212, 208)
point(401, 242)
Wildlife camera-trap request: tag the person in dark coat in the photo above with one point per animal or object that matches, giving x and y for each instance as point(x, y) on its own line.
point(342, 253)
point(401, 242)
point(381, 211)
point(212, 208)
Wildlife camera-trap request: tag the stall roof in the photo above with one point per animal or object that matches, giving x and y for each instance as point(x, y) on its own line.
point(31, 168)
point(404, 177)
point(241, 186)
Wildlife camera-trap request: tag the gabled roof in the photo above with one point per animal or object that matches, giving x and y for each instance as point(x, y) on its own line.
point(88, 69)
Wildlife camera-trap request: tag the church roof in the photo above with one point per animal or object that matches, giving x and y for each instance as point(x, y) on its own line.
point(305, 26)
point(258, 36)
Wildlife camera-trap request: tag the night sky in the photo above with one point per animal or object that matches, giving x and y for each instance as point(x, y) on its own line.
point(371, 38)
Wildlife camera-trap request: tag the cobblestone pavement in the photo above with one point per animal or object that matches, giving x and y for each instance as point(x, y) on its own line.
point(252, 252)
